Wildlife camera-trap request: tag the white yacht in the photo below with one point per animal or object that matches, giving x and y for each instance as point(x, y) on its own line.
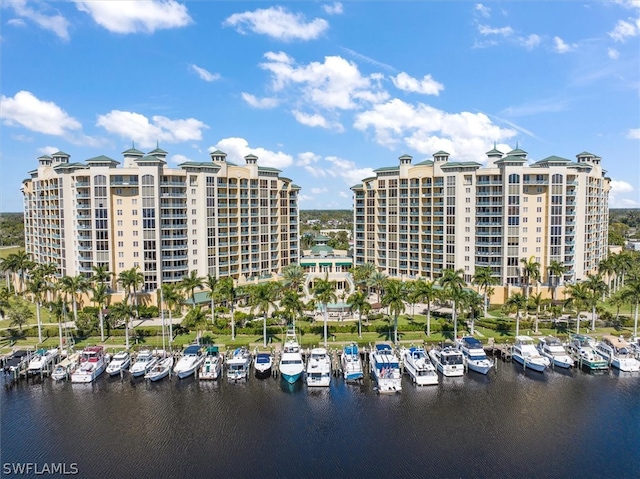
point(417, 365)
point(160, 370)
point(551, 348)
point(263, 364)
point(190, 361)
point(448, 360)
point(42, 360)
point(119, 363)
point(582, 349)
point(525, 353)
point(66, 367)
point(92, 364)
point(291, 365)
point(212, 365)
point(474, 355)
point(351, 363)
point(145, 360)
point(385, 369)
point(617, 352)
point(238, 364)
point(319, 368)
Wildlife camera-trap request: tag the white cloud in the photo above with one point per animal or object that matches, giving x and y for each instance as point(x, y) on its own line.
point(487, 30)
point(279, 23)
point(634, 133)
point(619, 186)
point(262, 103)
point(17, 22)
point(344, 194)
point(48, 150)
point(427, 85)
point(620, 189)
point(529, 42)
point(347, 170)
point(560, 46)
point(333, 9)
point(624, 30)
point(131, 16)
point(205, 74)
point(317, 191)
point(369, 60)
point(137, 127)
point(36, 115)
point(310, 120)
point(483, 10)
point(237, 148)
point(53, 22)
point(177, 159)
point(613, 53)
point(307, 158)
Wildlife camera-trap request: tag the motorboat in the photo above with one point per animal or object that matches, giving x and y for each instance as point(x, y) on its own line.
point(582, 348)
point(351, 363)
point(238, 364)
point(474, 356)
point(291, 365)
point(263, 364)
point(319, 368)
point(160, 370)
point(617, 352)
point(212, 365)
point(17, 362)
point(145, 360)
point(553, 349)
point(526, 353)
point(418, 366)
point(635, 346)
point(119, 363)
point(190, 360)
point(92, 364)
point(66, 367)
point(448, 360)
point(385, 369)
point(41, 361)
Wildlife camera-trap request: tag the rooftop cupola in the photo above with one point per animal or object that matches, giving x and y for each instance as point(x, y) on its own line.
point(44, 160)
point(586, 157)
point(440, 157)
point(158, 152)
point(405, 159)
point(218, 156)
point(131, 155)
point(518, 153)
point(59, 157)
point(494, 152)
point(251, 159)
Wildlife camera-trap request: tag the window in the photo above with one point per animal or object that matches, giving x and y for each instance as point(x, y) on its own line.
point(524, 250)
point(120, 233)
point(466, 229)
point(539, 199)
point(134, 212)
point(525, 219)
point(120, 254)
point(119, 222)
point(193, 221)
point(135, 244)
point(525, 229)
point(537, 249)
point(193, 201)
point(119, 201)
point(195, 241)
point(194, 232)
point(119, 212)
point(195, 261)
point(538, 240)
point(466, 249)
point(525, 199)
point(538, 220)
point(134, 201)
point(466, 258)
point(135, 233)
point(525, 209)
point(468, 200)
point(193, 212)
point(135, 254)
point(120, 244)
point(539, 209)
point(524, 240)
point(538, 229)
point(467, 220)
point(135, 222)
point(468, 190)
point(466, 238)
point(467, 210)
point(120, 265)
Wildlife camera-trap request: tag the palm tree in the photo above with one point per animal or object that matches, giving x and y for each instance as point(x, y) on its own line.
point(358, 302)
point(362, 273)
point(536, 301)
point(579, 297)
point(426, 292)
point(100, 298)
point(377, 280)
point(101, 274)
point(606, 268)
point(195, 318)
point(292, 304)
point(519, 302)
point(5, 303)
point(172, 299)
point(20, 314)
point(484, 278)
point(73, 285)
point(472, 302)
point(262, 298)
point(293, 276)
point(324, 292)
point(6, 268)
point(530, 272)
point(18, 264)
point(48, 272)
point(393, 297)
point(37, 286)
point(123, 312)
point(556, 270)
point(59, 311)
point(452, 283)
point(228, 292)
point(190, 283)
point(631, 294)
point(131, 280)
point(212, 283)
point(598, 288)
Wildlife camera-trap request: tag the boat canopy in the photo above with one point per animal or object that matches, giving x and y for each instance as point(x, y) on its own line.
point(192, 350)
point(263, 358)
point(212, 349)
point(383, 347)
point(472, 342)
point(351, 349)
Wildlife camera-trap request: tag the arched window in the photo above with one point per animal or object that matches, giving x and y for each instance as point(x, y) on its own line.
point(514, 178)
point(556, 179)
point(147, 179)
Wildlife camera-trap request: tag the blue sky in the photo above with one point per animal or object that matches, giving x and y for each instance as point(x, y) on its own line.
point(325, 91)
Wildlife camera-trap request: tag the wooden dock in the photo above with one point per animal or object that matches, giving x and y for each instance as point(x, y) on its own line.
point(500, 350)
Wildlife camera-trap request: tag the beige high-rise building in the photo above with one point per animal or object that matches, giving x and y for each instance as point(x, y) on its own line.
point(214, 217)
point(415, 220)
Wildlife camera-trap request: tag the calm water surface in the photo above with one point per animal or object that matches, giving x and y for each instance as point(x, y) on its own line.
point(511, 424)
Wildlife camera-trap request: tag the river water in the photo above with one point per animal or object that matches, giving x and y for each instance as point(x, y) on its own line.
point(510, 424)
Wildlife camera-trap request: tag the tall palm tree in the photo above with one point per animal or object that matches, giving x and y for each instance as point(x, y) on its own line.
point(377, 281)
point(426, 292)
point(101, 274)
point(124, 312)
point(195, 318)
point(530, 272)
point(292, 304)
point(172, 299)
point(631, 294)
point(211, 282)
point(72, 285)
point(228, 292)
point(536, 300)
point(262, 298)
point(484, 278)
point(358, 302)
point(100, 297)
point(19, 263)
point(606, 268)
point(20, 314)
point(131, 280)
point(58, 309)
point(293, 276)
point(5, 301)
point(393, 298)
point(518, 301)
point(556, 270)
point(37, 286)
point(190, 283)
point(48, 272)
point(452, 282)
point(598, 288)
point(6, 269)
point(324, 292)
point(579, 297)
point(361, 274)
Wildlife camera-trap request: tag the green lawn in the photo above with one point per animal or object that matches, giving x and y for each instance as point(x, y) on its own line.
point(6, 251)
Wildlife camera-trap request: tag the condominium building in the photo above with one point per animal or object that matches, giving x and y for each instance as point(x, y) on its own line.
point(215, 217)
point(415, 220)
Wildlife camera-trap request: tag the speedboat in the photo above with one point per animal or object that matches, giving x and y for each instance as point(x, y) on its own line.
point(474, 355)
point(351, 363)
point(92, 364)
point(41, 361)
point(145, 360)
point(190, 361)
point(160, 370)
point(119, 363)
point(551, 348)
point(617, 352)
point(525, 353)
point(385, 369)
point(291, 365)
point(582, 348)
point(238, 364)
point(448, 360)
point(18, 360)
point(416, 363)
point(263, 365)
point(212, 364)
point(319, 368)
point(65, 367)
